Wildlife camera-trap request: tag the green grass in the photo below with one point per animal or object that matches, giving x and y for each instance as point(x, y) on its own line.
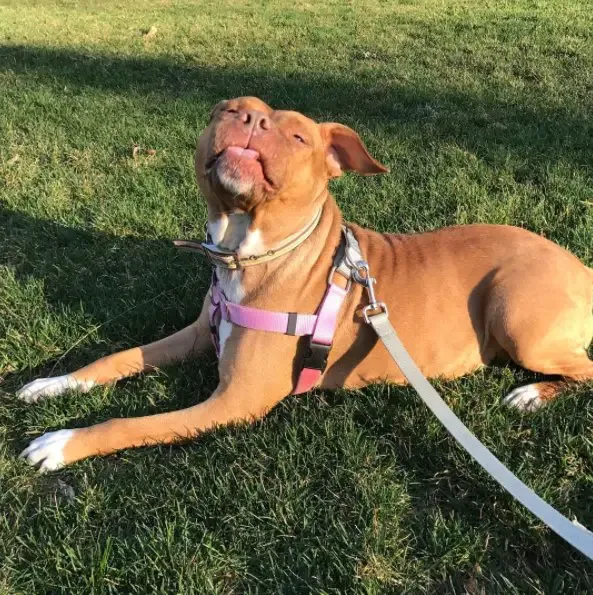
point(483, 111)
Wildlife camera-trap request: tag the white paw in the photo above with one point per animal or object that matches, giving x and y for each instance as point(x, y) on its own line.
point(47, 451)
point(525, 398)
point(51, 387)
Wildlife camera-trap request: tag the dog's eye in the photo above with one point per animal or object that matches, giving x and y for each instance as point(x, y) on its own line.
point(299, 138)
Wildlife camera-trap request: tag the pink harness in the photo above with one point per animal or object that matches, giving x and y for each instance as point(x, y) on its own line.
point(320, 327)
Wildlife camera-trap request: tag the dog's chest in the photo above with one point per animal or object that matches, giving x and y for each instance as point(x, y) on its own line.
point(232, 231)
point(230, 282)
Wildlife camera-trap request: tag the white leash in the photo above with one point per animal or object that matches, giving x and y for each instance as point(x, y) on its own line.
point(376, 315)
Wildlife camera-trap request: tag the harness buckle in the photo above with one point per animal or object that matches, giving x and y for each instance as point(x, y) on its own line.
point(316, 356)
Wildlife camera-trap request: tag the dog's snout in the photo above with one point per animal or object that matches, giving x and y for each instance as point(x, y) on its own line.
point(257, 119)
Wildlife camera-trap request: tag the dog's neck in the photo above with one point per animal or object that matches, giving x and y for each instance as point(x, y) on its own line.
point(234, 231)
point(262, 230)
point(253, 234)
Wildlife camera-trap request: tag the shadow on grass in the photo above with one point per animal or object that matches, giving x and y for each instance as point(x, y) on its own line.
point(134, 290)
point(493, 129)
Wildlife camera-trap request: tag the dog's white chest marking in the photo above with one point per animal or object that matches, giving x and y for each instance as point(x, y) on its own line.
point(232, 287)
point(233, 233)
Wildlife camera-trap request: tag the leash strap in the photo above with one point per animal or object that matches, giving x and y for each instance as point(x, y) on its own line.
point(577, 535)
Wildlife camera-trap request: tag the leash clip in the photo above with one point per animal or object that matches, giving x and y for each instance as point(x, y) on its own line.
point(367, 282)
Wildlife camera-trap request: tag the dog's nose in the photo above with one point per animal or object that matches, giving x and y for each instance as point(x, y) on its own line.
point(258, 120)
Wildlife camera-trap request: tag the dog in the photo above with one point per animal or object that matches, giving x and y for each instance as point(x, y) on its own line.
point(459, 296)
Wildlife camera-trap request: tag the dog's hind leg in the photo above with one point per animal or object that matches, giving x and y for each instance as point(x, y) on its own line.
point(542, 320)
point(192, 340)
point(573, 368)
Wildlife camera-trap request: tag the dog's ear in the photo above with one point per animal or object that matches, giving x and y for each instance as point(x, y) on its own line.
point(346, 152)
point(217, 108)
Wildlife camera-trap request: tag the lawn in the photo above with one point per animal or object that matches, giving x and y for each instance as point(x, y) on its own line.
point(482, 110)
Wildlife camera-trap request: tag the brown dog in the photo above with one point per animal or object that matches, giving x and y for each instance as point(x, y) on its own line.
point(459, 297)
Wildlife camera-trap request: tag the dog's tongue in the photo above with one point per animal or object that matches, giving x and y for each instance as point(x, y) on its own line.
point(241, 152)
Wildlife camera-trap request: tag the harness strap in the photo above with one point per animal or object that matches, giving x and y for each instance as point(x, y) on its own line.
point(321, 340)
point(349, 260)
point(287, 323)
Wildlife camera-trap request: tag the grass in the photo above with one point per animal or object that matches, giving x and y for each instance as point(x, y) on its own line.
point(483, 112)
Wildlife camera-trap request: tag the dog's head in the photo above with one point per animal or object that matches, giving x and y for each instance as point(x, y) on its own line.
point(250, 154)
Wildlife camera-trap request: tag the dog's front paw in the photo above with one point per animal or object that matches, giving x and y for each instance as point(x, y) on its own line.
point(47, 451)
point(45, 387)
point(51, 387)
point(525, 398)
